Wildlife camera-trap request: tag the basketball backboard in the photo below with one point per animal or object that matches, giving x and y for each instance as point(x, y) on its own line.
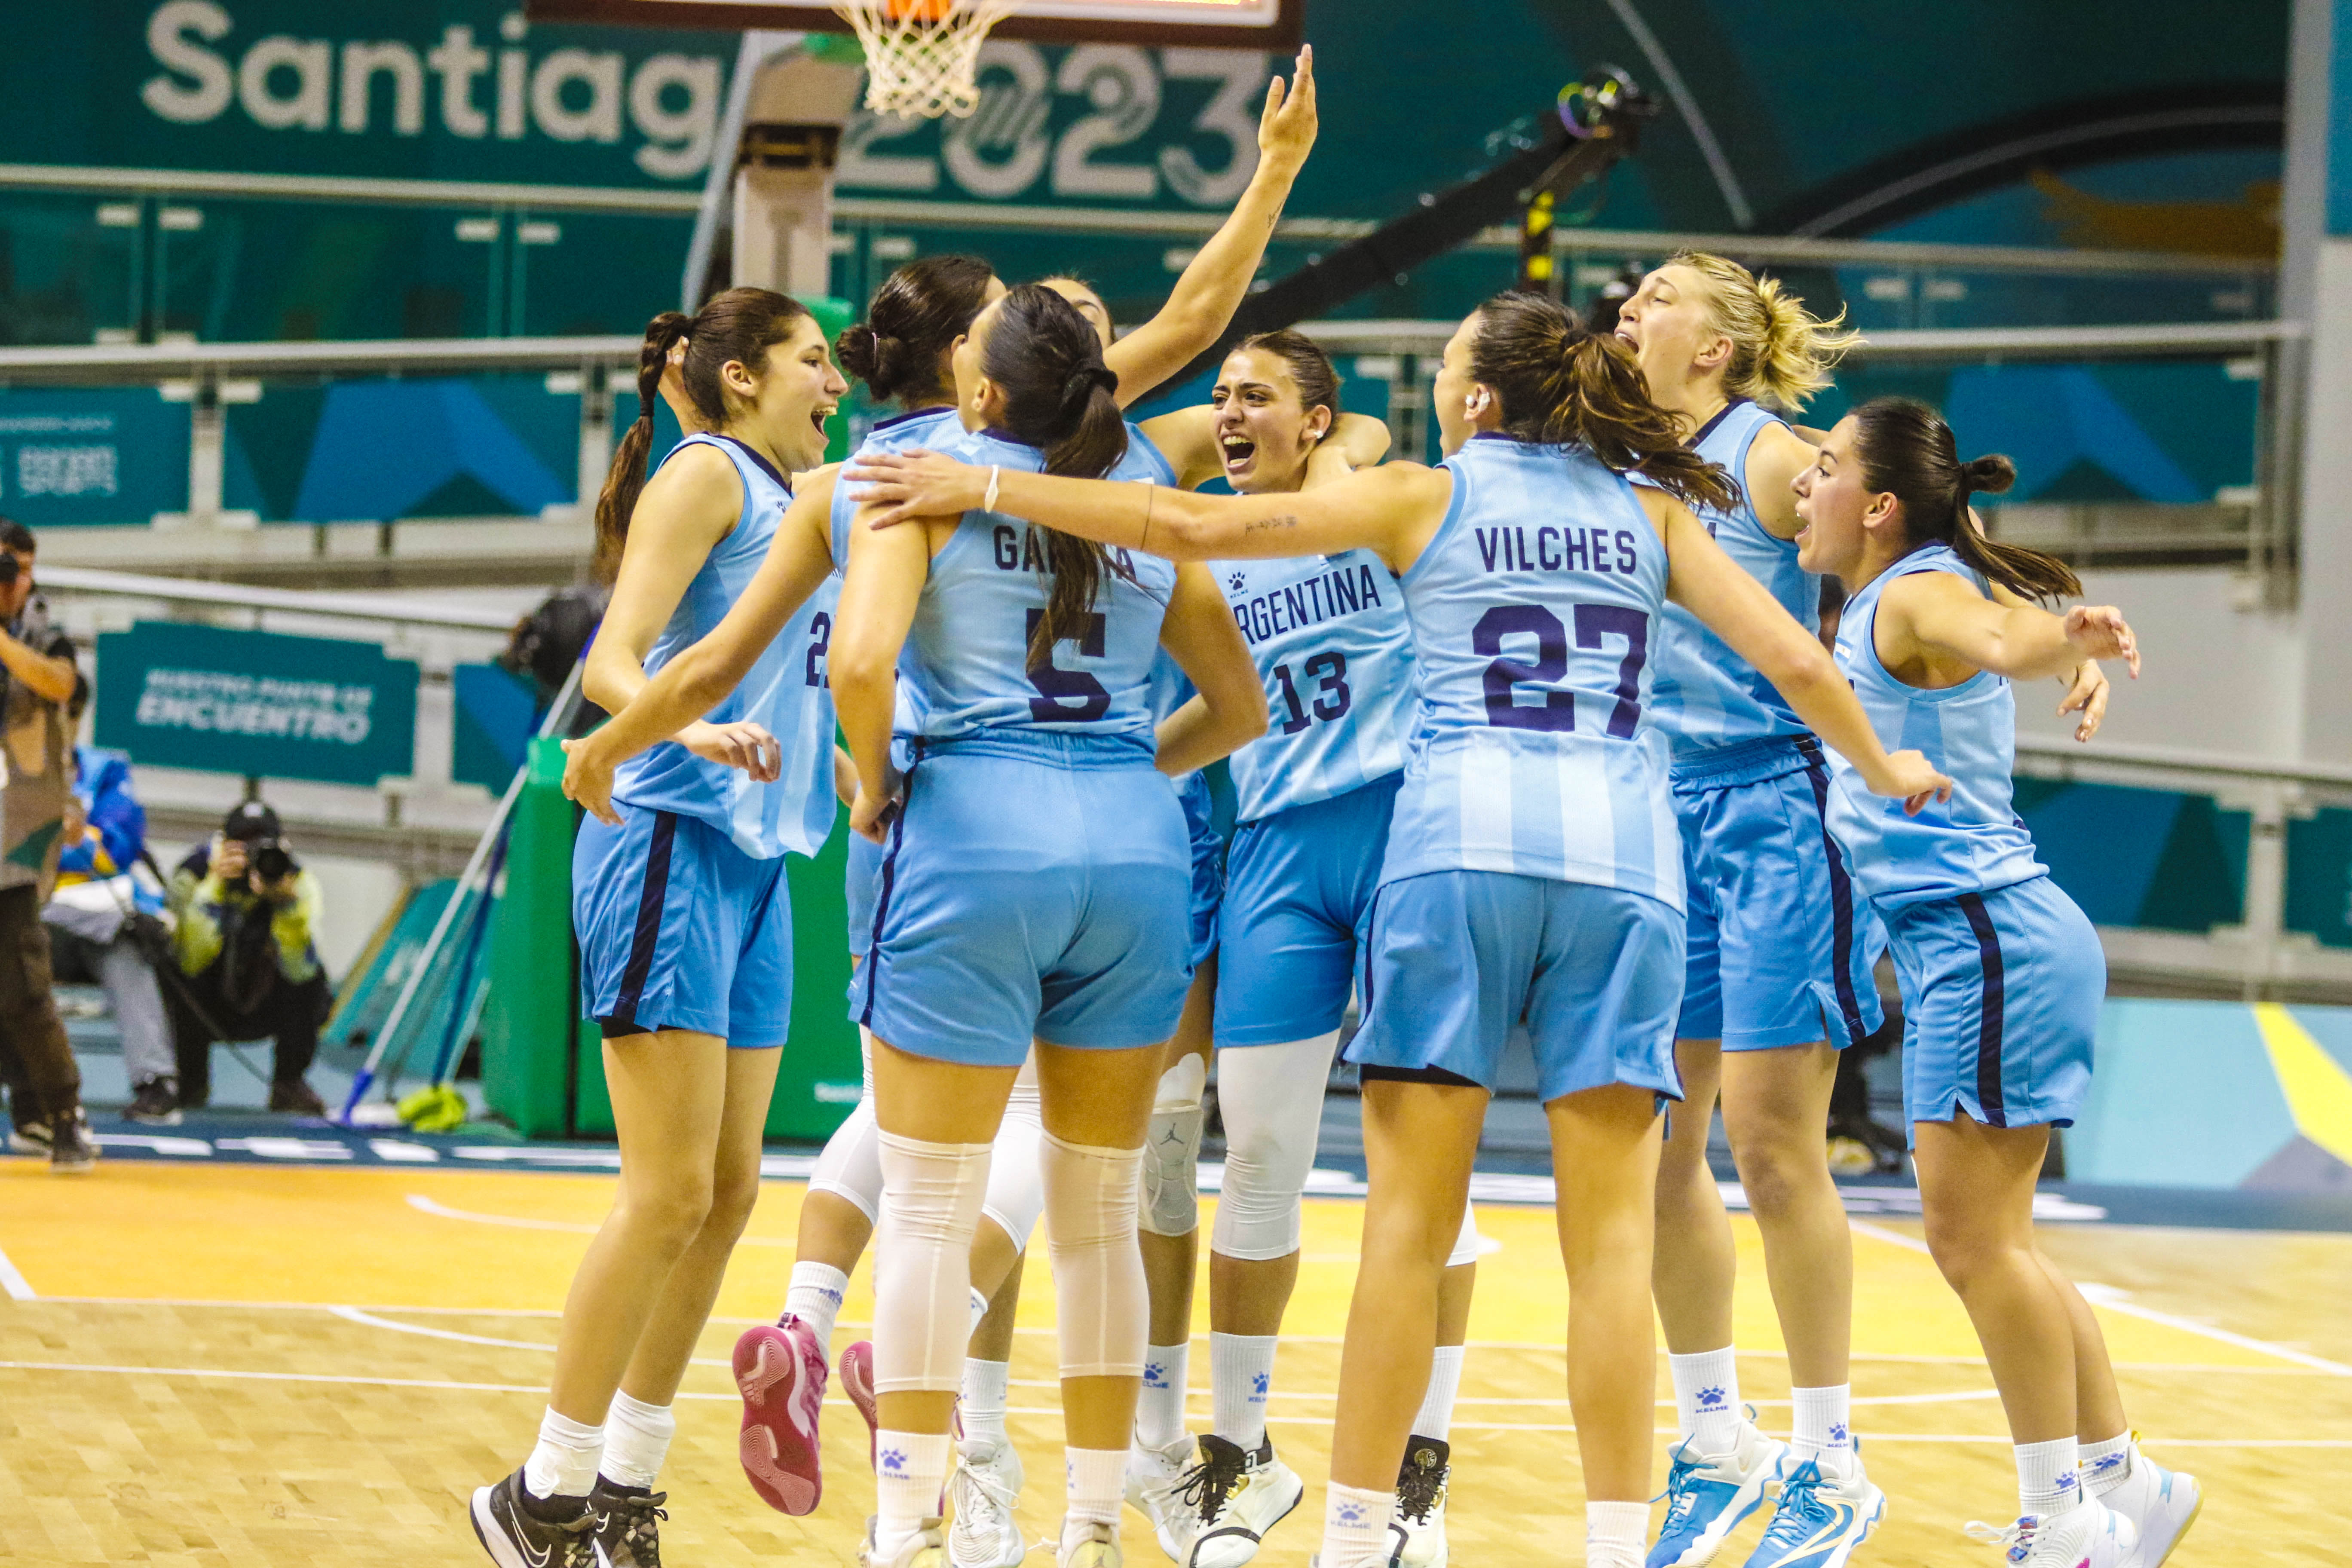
point(1217, 24)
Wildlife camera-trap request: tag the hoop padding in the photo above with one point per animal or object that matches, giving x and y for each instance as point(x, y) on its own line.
point(922, 56)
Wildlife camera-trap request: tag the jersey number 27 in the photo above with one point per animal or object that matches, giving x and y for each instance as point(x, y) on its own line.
point(1556, 713)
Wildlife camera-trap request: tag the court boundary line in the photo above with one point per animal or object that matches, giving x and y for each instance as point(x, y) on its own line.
point(12, 1281)
point(423, 1204)
point(2117, 1301)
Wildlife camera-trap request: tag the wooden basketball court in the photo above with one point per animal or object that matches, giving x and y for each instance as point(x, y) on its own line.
point(274, 1366)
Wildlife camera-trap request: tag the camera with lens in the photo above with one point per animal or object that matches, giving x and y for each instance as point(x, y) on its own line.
point(271, 860)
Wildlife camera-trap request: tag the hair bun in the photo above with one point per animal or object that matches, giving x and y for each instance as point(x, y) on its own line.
point(1992, 473)
point(1083, 381)
point(859, 350)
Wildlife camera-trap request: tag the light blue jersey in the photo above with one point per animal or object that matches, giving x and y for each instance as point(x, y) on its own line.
point(1533, 610)
point(1705, 695)
point(1330, 640)
point(925, 427)
point(785, 691)
point(1975, 842)
point(967, 655)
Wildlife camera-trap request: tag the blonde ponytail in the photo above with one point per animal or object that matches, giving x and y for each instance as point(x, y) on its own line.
point(1781, 354)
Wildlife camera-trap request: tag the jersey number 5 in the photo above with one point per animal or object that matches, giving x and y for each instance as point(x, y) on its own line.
point(1068, 696)
point(1557, 713)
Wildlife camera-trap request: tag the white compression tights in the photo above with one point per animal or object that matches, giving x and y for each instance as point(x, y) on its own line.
point(1271, 1098)
point(1091, 1198)
point(922, 1262)
point(850, 1166)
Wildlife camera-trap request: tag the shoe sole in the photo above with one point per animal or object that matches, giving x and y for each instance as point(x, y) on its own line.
point(1193, 1559)
point(783, 1466)
point(2173, 1545)
point(72, 1167)
point(486, 1530)
point(1018, 1547)
point(858, 1383)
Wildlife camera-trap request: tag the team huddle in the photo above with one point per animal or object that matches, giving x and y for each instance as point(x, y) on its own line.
point(1542, 743)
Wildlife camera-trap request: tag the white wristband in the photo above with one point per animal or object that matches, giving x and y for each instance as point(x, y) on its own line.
point(988, 501)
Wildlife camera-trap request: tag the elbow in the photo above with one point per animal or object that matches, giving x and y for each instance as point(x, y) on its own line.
point(1251, 719)
point(1184, 534)
point(598, 684)
point(856, 675)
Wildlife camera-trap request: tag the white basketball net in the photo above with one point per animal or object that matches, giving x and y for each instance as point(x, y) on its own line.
point(922, 56)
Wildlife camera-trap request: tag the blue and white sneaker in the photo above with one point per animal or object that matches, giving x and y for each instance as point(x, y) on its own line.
point(2161, 1503)
point(1821, 1520)
point(2089, 1535)
point(1707, 1496)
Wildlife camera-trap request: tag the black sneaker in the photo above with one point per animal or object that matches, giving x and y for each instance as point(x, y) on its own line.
point(520, 1531)
point(156, 1103)
point(72, 1149)
point(627, 1523)
point(297, 1096)
point(29, 1137)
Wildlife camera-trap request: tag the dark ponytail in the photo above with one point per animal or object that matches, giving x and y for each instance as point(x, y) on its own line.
point(740, 324)
point(1046, 361)
point(916, 317)
point(1562, 383)
point(1908, 451)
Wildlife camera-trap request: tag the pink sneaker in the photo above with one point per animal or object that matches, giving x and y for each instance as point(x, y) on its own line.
point(781, 1374)
point(858, 1382)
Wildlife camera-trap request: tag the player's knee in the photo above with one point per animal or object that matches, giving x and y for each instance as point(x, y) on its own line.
point(1964, 1249)
point(1258, 1212)
point(733, 1195)
point(669, 1217)
point(1171, 1152)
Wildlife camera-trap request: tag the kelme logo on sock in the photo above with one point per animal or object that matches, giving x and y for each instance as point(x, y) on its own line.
point(1259, 1382)
point(1710, 1399)
point(893, 1461)
point(1351, 1514)
point(1837, 1432)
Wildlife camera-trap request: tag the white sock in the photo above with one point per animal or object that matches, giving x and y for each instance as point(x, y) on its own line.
point(1824, 1433)
point(909, 1470)
point(2107, 1463)
point(636, 1440)
point(1436, 1417)
point(1706, 1398)
point(1356, 1527)
point(1615, 1533)
point(984, 1386)
point(814, 1297)
point(1160, 1409)
point(563, 1462)
point(1241, 1375)
point(2048, 1477)
point(1098, 1484)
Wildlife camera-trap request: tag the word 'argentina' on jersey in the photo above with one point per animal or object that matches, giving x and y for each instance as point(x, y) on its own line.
point(1348, 587)
point(1509, 549)
point(1027, 553)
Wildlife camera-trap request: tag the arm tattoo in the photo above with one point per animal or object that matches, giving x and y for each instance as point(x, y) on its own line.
point(1263, 524)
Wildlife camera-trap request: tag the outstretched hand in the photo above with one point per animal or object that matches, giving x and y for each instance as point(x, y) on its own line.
point(1286, 129)
point(2087, 693)
point(2100, 631)
point(916, 483)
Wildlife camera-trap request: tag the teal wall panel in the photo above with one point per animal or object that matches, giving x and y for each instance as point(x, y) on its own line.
point(2183, 1097)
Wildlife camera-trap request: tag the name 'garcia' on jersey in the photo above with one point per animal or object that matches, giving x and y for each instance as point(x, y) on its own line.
point(1559, 550)
point(1027, 553)
point(1349, 587)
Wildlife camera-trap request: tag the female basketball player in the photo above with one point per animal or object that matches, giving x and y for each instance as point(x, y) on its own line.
point(1533, 869)
point(1036, 759)
point(2002, 975)
point(1331, 646)
point(685, 928)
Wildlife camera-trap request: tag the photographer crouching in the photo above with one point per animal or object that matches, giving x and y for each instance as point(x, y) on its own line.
point(247, 911)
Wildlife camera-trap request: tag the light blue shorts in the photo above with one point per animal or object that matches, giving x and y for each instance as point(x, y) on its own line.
point(1035, 886)
point(680, 930)
point(1454, 958)
point(1208, 851)
point(1298, 885)
point(2000, 1004)
point(1780, 945)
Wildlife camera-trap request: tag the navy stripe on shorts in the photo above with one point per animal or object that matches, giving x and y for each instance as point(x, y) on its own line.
point(647, 934)
point(1989, 1023)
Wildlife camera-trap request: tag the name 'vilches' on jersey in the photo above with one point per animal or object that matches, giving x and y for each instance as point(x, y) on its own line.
point(1601, 550)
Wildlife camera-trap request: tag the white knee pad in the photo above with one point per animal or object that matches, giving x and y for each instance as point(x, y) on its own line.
point(1016, 1191)
point(1171, 1164)
point(1466, 1245)
point(1090, 1212)
point(1272, 1097)
point(850, 1166)
point(922, 1262)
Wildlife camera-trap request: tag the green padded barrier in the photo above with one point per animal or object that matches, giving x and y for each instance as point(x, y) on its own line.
point(533, 991)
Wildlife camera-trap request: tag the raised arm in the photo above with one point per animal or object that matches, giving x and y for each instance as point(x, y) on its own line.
point(1394, 511)
point(1736, 607)
point(1230, 711)
point(1936, 613)
point(1212, 287)
point(878, 600)
point(2087, 685)
point(698, 678)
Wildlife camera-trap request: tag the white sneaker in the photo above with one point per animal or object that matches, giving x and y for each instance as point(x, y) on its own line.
point(927, 1548)
point(983, 1493)
point(1240, 1496)
point(2088, 1535)
point(1419, 1522)
point(2161, 1504)
point(1153, 1478)
point(1822, 1520)
point(1088, 1546)
point(1708, 1496)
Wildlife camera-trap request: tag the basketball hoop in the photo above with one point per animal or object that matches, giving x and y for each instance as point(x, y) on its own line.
point(922, 56)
